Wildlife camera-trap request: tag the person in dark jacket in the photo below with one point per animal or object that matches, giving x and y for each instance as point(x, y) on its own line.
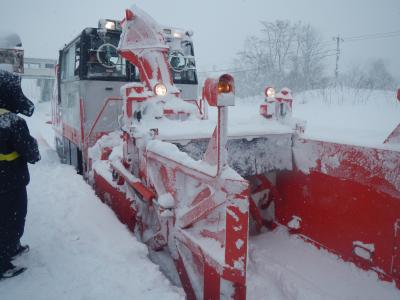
point(17, 148)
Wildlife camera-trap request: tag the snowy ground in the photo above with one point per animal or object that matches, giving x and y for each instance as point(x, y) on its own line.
point(361, 117)
point(79, 250)
point(341, 115)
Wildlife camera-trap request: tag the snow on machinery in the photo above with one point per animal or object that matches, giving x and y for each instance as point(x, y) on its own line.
point(187, 187)
point(197, 210)
point(279, 106)
point(339, 196)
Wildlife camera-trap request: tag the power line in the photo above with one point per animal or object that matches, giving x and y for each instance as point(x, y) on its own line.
point(373, 38)
point(326, 53)
point(368, 36)
point(374, 35)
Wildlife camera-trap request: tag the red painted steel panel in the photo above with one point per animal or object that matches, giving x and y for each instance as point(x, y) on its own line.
point(116, 200)
point(396, 252)
point(349, 194)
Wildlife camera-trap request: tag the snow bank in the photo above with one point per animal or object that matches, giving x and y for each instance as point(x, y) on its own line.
point(344, 115)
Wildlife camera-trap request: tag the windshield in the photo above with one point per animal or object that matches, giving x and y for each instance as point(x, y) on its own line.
point(103, 59)
point(182, 63)
point(93, 55)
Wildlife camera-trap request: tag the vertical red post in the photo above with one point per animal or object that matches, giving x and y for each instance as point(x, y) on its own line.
point(212, 283)
point(237, 220)
point(82, 120)
point(220, 93)
point(185, 280)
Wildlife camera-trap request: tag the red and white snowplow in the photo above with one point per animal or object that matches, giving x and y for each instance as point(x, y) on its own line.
point(194, 188)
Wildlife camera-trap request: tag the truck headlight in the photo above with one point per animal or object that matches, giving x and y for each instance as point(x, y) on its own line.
point(160, 89)
point(270, 92)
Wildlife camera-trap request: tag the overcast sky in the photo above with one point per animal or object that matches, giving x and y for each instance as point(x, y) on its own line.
point(220, 26)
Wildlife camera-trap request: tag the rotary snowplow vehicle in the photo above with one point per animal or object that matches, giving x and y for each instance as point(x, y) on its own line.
point(127, 116)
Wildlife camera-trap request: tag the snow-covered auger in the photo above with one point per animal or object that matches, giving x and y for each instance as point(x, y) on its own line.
point(188, 186)
point(196, 210)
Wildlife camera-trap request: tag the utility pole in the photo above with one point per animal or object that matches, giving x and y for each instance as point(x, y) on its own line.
point(338, 39)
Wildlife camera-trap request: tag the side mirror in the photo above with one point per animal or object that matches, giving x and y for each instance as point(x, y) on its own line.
point(220, 91)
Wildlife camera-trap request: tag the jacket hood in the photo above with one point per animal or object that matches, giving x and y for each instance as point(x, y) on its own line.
point(11, 96)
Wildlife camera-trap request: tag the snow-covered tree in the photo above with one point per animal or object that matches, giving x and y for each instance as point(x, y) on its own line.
point(379, 76)
point(374, 75)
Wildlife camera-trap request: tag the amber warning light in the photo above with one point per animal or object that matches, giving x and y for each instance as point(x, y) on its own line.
point(220, 91)
point(224, 87)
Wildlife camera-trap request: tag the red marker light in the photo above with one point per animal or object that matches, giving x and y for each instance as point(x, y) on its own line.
point(129, 16)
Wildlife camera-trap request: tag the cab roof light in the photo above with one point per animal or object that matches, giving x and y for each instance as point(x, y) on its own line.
point(109, 24)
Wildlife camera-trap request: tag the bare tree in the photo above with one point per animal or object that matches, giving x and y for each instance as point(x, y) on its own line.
point(309, 55)
point(286, 54)
point(253, 64)
point(278, 40)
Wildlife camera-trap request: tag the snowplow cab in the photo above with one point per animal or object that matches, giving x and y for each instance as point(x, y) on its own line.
point(90, 73)
point(182, 61)
point(93, 55)
point(92, 69)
